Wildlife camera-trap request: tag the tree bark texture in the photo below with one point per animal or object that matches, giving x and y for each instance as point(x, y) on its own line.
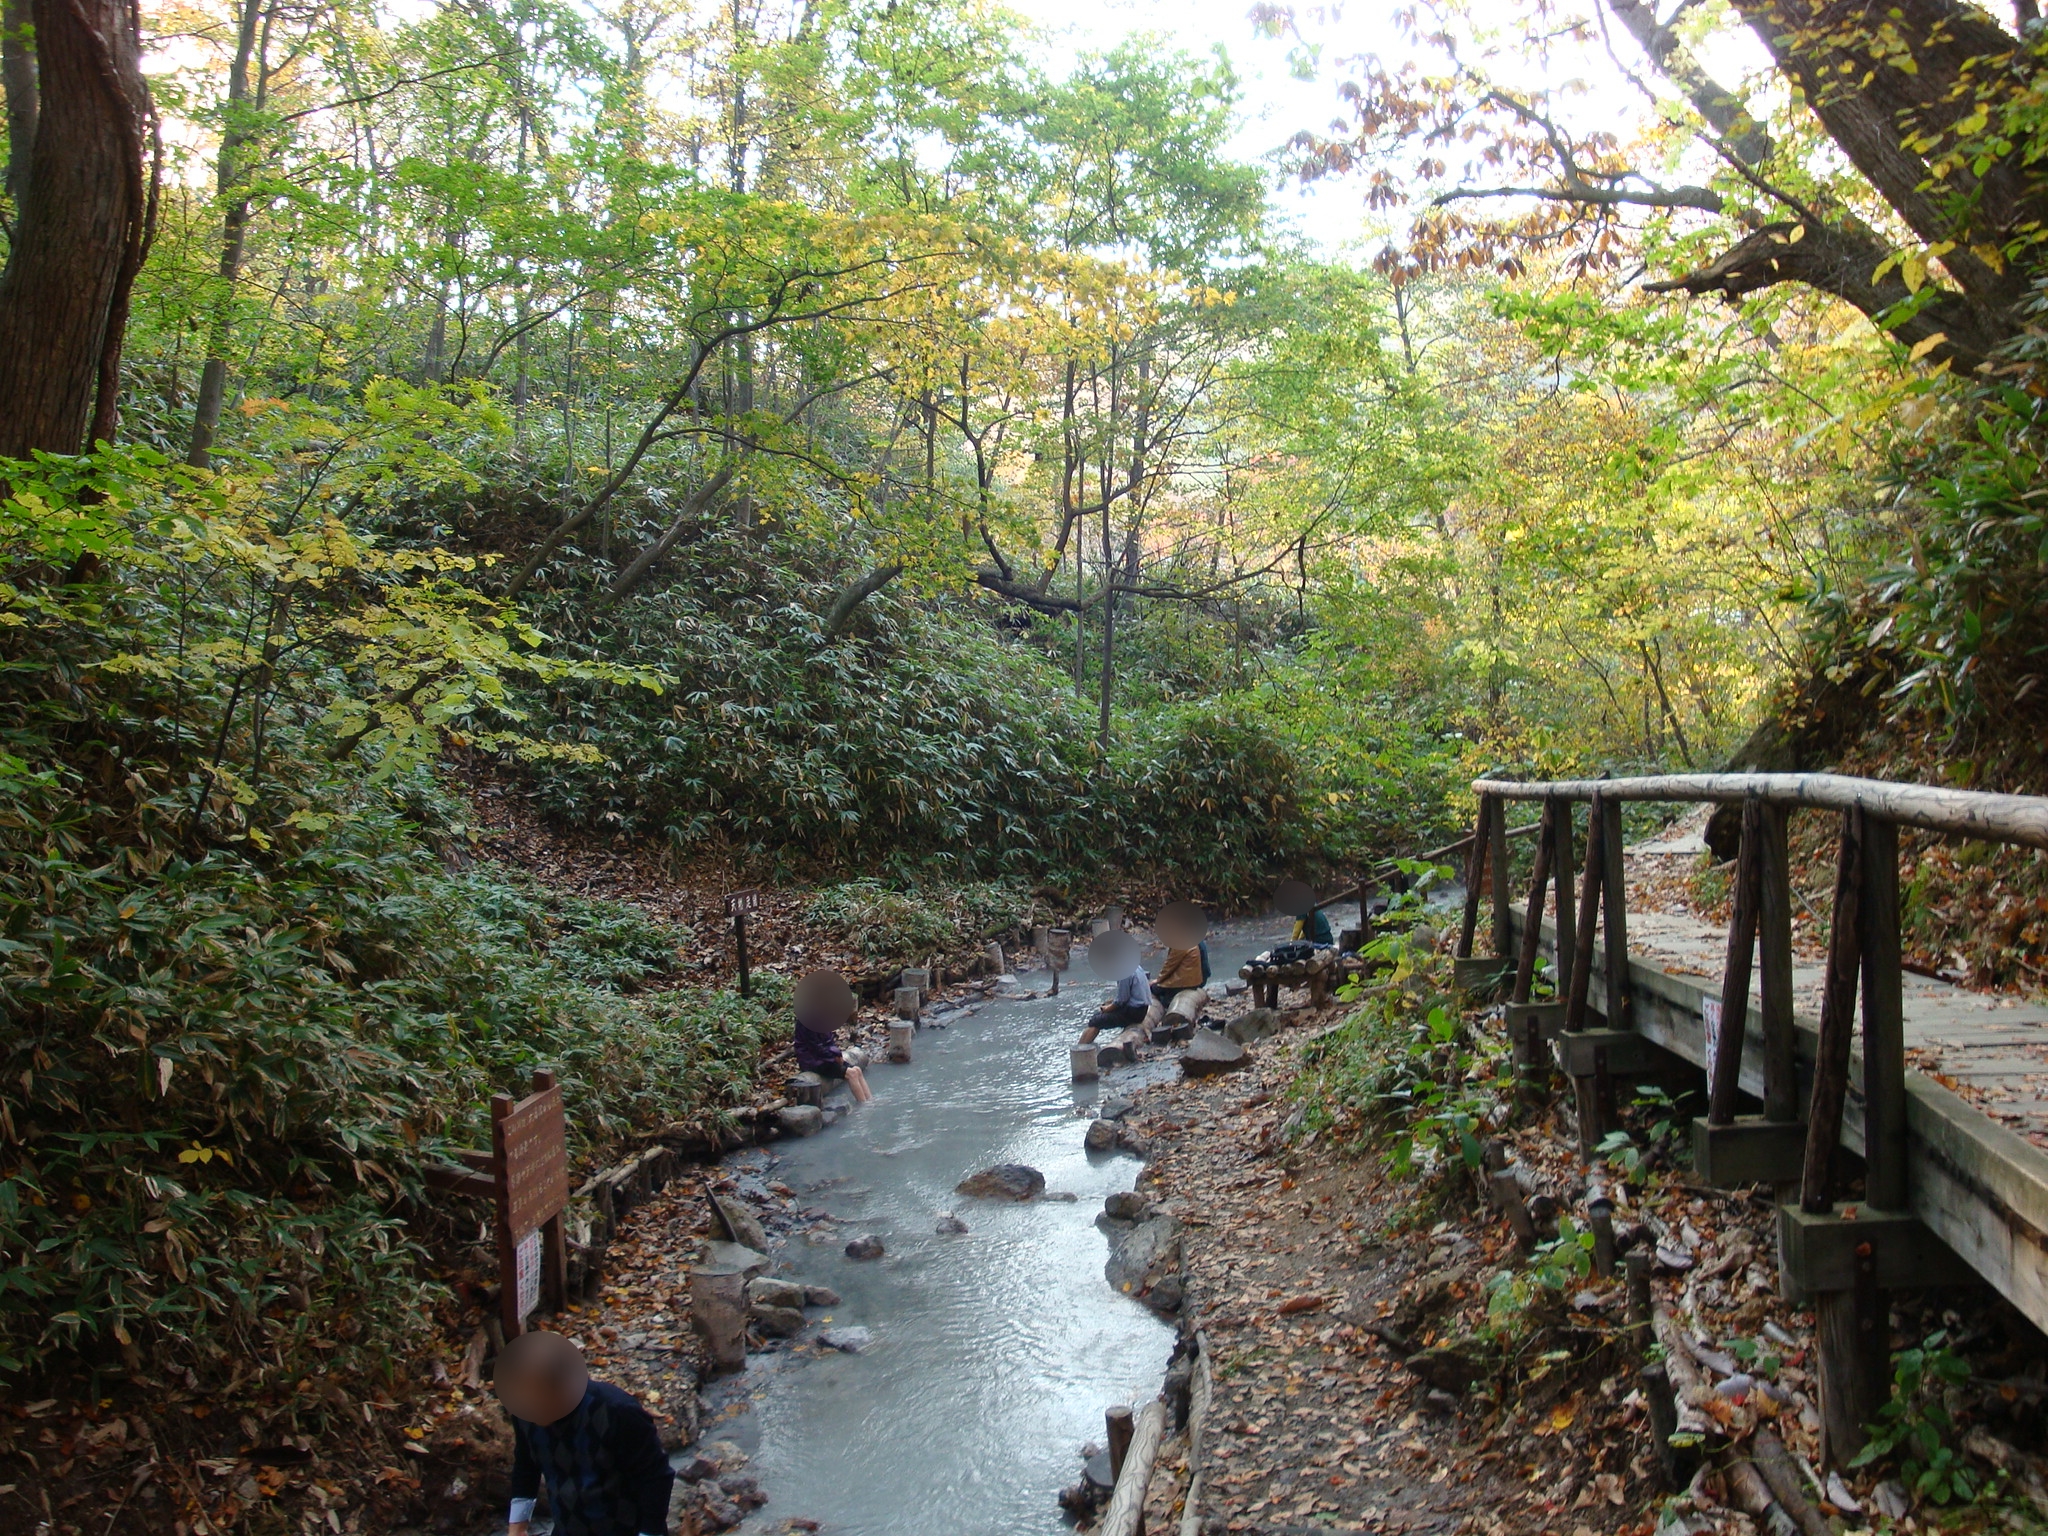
point(18, 78)
point(80, 233)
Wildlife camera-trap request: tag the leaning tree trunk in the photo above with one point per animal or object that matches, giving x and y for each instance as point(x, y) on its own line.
point(80, 231)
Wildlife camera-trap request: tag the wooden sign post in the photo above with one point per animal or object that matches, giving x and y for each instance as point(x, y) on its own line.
point(530, 1150)
point(737, 905)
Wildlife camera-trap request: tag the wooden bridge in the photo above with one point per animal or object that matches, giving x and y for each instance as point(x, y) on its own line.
point(1951, 1193)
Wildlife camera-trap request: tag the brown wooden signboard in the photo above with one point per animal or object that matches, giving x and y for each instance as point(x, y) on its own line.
point(525, 1176)
point(533, 1153)
point(530, 1151)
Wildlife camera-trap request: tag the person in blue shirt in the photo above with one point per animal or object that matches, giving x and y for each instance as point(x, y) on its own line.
point(593, 1445)
point(1114, 957)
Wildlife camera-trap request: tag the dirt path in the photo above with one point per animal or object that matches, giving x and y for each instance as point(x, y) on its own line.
point(1318, 1427)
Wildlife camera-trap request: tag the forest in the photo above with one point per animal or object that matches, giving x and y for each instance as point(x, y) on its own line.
point(858, 448)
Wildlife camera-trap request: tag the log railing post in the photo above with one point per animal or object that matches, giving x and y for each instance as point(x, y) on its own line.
point(1774, 964)
point(1614, 905)
point(1884, 1021)
point(1567, 915)
point(1532, 928)
point(1837, 1024)
point(1850, 1326)
point(1725, 1079)
point(1503, 898)
point(1475, 866)
point(1581, 982)
point(1585, 1098)
point(1731, 1150)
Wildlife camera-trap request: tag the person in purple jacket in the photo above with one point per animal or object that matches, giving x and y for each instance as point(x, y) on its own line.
point(824, 1002)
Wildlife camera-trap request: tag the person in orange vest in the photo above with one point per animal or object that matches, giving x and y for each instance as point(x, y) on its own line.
point(1182, 925)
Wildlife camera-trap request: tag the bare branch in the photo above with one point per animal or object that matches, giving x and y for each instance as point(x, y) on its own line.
point(854, 594)
point(1703, 198)
point(1841, 262)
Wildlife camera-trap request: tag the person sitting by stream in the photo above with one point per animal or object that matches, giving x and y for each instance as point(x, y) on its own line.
point(593, 1444)
point(1114, 957)
point(824, 1002)
point(1182, 925)
point(1297, 899)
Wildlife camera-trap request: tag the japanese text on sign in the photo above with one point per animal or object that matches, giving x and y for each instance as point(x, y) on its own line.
point(737, 902)
point(536, 1154)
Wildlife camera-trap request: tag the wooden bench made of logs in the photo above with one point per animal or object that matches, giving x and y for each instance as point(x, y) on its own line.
point(1317, 973)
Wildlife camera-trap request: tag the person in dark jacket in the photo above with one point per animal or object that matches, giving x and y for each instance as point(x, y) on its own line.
point(824, 1002)
point(592, 1444)
point(1298, 900)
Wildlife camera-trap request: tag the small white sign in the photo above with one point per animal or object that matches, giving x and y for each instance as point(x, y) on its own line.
point(1710, 1020)
point(527, 1262)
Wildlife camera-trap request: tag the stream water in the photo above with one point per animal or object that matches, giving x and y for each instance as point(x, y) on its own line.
point(993, 1354)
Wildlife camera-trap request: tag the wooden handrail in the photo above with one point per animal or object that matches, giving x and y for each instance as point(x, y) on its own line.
point(1998, 818)
point(1386, 866)
point(1863, 966)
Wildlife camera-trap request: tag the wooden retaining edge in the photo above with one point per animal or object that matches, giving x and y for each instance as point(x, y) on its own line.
point(1979, 1186)
point(1198, 1418)
point(1127, 1504)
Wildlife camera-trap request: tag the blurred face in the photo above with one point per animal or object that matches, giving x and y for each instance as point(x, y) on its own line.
point(1294, 898)
point(824, 997)
point(1113, 955)
point(1182, 924)
point(541, 1378)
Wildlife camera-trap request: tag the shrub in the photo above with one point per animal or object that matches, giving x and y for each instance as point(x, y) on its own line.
point(241, 999)
point(887, 923)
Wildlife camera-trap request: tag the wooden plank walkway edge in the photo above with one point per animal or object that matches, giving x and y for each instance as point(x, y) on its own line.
point(1979, 1186)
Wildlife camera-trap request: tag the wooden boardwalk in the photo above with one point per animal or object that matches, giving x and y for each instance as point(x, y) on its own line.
point(1993, 1050)
point(1977, 1177)
point(1938, 1092)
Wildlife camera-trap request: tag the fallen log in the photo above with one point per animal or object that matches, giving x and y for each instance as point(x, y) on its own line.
point(1126, 1511)
point(1747, 1490)
point(1689, 1386)
point(1782, 1476)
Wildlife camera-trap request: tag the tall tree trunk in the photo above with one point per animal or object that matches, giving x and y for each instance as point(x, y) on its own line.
point(81, 231)
point(1108, 629)
point(18, 76)
point(237, 133)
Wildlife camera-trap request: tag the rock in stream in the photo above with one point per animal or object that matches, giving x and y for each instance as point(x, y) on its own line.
point(1005, 1181)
